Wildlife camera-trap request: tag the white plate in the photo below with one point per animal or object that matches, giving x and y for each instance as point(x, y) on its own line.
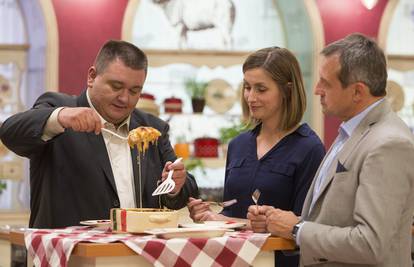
point(220, 96)
point(217, 224)
point(97, 223)
point(168, 233)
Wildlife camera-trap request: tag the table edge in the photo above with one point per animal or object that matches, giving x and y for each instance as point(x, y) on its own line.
point(85, 249)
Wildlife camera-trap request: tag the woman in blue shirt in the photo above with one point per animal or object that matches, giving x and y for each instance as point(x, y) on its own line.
point(279, 156)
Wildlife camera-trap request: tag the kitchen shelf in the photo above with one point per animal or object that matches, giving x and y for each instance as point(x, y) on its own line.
point(212, 163)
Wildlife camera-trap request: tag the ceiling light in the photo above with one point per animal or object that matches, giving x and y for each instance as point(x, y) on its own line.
point(369, 4)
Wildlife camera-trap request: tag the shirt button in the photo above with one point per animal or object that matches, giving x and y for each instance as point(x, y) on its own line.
point(116, 204)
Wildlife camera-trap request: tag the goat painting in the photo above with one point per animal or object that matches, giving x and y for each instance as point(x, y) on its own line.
point(198, 15)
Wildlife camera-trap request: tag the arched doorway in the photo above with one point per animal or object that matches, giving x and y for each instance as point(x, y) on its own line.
point(397, 36)
point(206, 56)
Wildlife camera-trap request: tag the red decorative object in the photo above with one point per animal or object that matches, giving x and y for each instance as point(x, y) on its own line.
point(147, 96)
point(206, 147)
point(173, 105)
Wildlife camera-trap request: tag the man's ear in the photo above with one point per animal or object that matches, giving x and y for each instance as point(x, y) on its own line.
point(91, 76)
point(360, 92)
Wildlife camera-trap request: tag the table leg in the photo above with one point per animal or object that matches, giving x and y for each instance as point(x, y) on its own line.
point(125, 261)
point(264, 259)
point(29, 261)
point(5, 253)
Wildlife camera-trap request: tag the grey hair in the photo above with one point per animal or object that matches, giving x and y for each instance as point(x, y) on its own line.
point(362, 60)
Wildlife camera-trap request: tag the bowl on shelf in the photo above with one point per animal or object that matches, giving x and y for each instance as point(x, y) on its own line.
point(173, 105)
point(147, 103)
point(206, 147)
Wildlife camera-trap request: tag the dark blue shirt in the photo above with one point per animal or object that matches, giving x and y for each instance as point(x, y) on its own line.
point(283, 175)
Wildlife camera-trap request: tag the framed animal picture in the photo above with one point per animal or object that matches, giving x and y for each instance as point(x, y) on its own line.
point(207, 24)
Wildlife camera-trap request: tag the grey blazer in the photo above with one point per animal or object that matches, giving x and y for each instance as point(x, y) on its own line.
point(70, 175)
point(364, 212)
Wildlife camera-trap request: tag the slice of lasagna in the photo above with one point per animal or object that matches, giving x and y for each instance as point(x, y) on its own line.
point(142, 137)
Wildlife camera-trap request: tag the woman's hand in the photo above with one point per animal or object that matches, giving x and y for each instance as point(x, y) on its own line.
point(200, 211)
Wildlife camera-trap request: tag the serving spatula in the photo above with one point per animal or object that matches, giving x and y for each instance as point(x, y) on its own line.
point(168, 185)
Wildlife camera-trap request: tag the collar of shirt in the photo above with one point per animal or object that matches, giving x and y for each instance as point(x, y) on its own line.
point(347, 128)
point(302, 129)
point(104, 122)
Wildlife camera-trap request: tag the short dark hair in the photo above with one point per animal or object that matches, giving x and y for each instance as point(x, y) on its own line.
point(283, 67)
point(129, 54)
point(362, 60)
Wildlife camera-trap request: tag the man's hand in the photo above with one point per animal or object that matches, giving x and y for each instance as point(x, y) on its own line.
point(281, 222)
point(80, 119)
point(179, 175)
point(257, 217)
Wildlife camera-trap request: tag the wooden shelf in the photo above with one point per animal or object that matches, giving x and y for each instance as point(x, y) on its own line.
point(4, 236)
point(197, 58)
point(213, 163)
point(20, 219)
point(225, 115)
point(11, 170)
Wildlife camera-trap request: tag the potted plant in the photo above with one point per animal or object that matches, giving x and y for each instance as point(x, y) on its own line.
point(196, 90)
point(194, 163)
point(3, 186)
point(228, 133)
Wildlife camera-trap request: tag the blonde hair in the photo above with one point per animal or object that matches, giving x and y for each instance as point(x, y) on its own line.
point(283, 67)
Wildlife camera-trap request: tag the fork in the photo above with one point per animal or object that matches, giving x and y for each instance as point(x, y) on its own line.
point(168, 185)
point(255, 197)
point(114, 133)
point(223, 204)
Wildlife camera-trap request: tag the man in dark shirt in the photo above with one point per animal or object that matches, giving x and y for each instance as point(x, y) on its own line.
point(78, 172)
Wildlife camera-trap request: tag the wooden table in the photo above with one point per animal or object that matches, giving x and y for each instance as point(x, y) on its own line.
point(118, 254)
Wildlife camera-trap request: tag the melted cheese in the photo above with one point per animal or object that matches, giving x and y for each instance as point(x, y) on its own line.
point(142, 137)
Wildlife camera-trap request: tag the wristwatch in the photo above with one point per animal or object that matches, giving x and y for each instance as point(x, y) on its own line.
point(296, 229)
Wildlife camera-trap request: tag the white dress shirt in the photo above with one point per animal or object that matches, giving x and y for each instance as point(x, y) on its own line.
point(118, 150)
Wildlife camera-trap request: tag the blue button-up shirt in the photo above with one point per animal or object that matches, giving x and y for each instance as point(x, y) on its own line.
point(283, 174)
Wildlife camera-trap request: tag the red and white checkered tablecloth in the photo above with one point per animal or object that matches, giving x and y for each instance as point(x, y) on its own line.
point(53, 247)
